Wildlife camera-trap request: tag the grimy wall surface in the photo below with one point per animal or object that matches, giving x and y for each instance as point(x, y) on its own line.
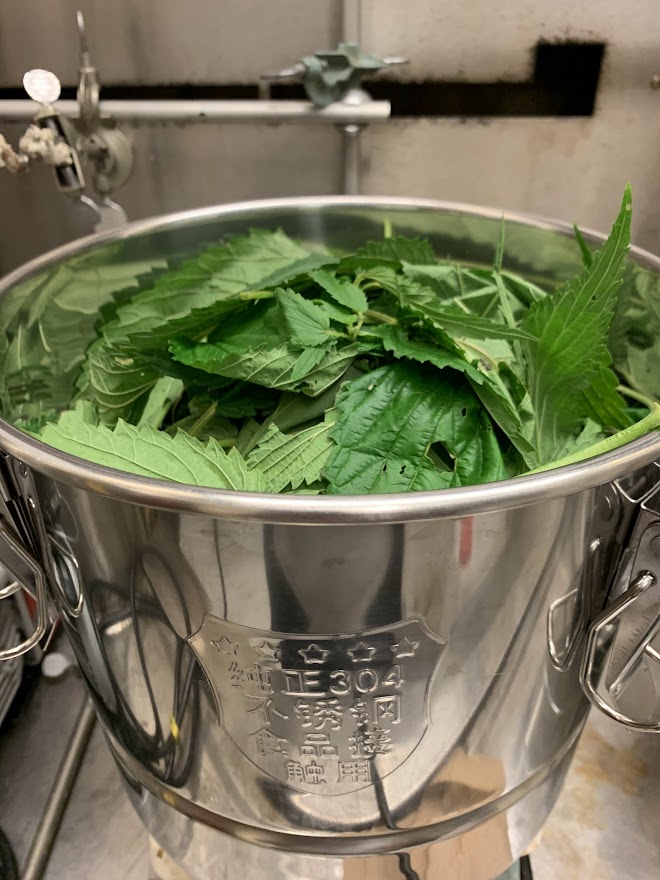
point(566, 166)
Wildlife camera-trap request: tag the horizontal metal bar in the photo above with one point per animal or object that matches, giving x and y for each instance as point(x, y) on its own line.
point(214, 111)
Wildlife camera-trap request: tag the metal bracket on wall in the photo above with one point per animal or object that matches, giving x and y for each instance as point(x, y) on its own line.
point(335, 77)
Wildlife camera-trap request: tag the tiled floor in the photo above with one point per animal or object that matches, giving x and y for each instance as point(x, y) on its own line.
point(605, 826)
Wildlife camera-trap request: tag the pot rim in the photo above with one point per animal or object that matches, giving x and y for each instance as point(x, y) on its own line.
point(328, 509)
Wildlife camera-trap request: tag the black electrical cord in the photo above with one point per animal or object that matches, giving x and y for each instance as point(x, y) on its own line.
point(525, 869)
point(158, 751)
point(8, 865)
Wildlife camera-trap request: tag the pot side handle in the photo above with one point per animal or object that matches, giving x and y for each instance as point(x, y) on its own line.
point(620, 672)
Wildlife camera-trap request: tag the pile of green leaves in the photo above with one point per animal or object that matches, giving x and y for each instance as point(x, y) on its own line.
point(262, 365)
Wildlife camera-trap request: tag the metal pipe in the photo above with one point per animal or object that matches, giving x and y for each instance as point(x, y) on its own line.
point(214, 111)
point(351, 21)
point(58, 797)
point(351, 159)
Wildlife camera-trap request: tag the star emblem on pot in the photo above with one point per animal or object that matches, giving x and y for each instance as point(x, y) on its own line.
point(405, 648)
point(225, 646)
point(313, 654)
point(268, 651)
point(361, 653)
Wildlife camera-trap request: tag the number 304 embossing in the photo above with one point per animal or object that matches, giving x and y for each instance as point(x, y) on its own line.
point(364, 681)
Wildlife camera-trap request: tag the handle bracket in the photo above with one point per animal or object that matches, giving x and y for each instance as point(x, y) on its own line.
point(620, 671)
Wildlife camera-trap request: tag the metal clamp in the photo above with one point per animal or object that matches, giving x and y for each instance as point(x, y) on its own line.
point(620, 671)
point(335, 75)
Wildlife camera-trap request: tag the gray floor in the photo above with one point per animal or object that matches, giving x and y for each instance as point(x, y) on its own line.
point(605, 826)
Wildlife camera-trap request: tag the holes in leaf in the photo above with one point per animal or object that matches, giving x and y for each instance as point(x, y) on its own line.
point(441, 457)
point(402, 470)
point(464, 411)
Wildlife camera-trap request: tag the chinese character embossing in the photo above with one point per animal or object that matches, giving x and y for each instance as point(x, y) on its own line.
point(367, 743)
point(236, 674)
point(360, 712)
point(319, 745)
point(267, 709)
point(387, 709)
point(377, 741)
point(259, 678)
point(328, 712)
point(314, 774)
point(354, 771)
point(294, 772)
point(267, 743)
point(303, 712)
point(302, 683)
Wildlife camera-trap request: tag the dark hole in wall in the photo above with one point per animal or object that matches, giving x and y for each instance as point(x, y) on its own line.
point(564, 82)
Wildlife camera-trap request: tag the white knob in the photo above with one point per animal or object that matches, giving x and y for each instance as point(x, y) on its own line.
point(42, 86)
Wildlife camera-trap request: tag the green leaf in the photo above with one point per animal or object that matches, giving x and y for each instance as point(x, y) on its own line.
point(306, 361)
point(197, 323)
point(603, 402)
point(292, 459)
point(218, 273)
point(389, 421)
point(271, 367)
point(421, 301)
point(571, 330)
point(307, 323)
point(649, 423)
point(449, 282)
point(487, 384)
point(462, 324)
point(340, 289)
point(587, 258)
point(151, 453)
point(243, 399)
point(248, 436)
point(204, 422)
point(118, 384)
point(396, 341)
point(161, 397)
point(294, 271)
point(399, 249)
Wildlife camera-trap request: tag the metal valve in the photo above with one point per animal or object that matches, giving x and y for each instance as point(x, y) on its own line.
point(46, 139)
point(335, 75)
point(99, 141)
point(91, 141)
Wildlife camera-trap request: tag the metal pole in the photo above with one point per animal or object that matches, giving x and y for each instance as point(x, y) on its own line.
point(58, 797)
point(351, 25)
point(303, 112)
point(351, 159)
point(351, 21)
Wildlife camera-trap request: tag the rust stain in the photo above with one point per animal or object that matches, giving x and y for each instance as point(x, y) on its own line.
point(603, 762)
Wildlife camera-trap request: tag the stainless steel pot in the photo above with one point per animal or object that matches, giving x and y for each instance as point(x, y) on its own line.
point(372, 687)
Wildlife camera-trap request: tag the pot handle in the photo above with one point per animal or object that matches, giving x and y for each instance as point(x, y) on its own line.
point(30, 576)
point(618, 666)
point(620, 672)
point(23, 543)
